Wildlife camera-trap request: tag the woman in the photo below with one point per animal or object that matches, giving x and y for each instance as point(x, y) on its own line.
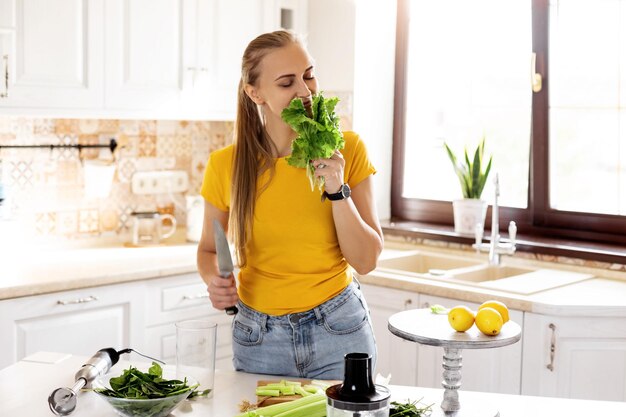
point(299, 310)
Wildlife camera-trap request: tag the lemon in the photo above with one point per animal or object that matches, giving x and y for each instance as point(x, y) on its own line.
point(499, 307)
point(461, 318)
point(489, 321)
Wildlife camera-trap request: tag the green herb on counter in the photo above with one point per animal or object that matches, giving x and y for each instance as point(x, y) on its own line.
point(409, 409)
point(438, 309)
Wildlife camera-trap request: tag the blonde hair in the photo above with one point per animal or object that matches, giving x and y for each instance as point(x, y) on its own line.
point(253, 147)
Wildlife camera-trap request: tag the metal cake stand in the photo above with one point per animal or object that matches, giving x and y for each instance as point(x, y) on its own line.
point(424, 327)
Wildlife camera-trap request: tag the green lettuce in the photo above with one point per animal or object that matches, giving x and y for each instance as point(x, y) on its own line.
point(318, 134)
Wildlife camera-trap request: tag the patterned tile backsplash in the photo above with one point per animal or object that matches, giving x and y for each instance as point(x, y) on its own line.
point(45, 188)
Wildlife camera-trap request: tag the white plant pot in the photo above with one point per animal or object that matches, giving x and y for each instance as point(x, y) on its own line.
point(468, 212)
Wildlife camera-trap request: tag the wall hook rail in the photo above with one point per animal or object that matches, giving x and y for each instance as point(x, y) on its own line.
point(112, 145)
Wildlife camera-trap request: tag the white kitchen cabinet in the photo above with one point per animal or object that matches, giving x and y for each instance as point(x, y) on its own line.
point(78, 322)
point(144, 42)
point(177, 298)
point(53, 53)
point(175, 59)
point(396, 356)
point(495, 370)
point(575, 357)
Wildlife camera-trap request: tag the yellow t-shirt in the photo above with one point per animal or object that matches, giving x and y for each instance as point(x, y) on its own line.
point(294, 259)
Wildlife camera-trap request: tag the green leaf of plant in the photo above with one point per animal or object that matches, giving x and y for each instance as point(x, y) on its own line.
point(318, 134)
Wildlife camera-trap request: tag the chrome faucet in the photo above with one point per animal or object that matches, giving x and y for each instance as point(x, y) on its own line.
point(495, 247)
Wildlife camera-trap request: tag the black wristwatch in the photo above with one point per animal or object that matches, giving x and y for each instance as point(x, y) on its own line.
point(343, 193)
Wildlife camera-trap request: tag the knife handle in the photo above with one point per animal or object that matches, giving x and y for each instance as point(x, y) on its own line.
point(231, 311)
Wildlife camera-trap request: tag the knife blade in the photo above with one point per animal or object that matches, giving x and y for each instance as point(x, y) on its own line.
point(224, 260)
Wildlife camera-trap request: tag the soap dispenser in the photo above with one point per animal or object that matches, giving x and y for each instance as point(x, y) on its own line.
point(357, 396)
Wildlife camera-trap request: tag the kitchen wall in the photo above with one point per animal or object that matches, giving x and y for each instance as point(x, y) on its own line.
point(45, 188)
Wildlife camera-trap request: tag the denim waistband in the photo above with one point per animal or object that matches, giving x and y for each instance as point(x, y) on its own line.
point(315, 313)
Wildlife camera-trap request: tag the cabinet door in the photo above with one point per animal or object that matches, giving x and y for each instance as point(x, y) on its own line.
point(575, 357)
point(144, 58)
point(489, 370)
point(52, 51)
point(78, 322)
point(396, 356)
point(177, 298)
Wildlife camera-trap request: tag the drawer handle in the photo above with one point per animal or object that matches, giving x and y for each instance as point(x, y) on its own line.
point(550, 366)
point(197, 296)
point(78, 300)
point(425, 304)
point(5, 59)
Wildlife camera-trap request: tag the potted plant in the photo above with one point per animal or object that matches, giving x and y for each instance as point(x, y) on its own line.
point(470, 210)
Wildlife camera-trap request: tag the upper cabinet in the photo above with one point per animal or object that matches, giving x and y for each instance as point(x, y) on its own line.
point(51, 53)
point(177, 59)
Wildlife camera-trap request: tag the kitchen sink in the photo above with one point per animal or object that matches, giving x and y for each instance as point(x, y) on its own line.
point(468, 271)
point(426, 263)
point(484, 273)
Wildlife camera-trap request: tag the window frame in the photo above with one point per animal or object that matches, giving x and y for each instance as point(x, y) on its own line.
point(538, 219)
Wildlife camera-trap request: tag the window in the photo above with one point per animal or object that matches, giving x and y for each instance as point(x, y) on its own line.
point(464, 71)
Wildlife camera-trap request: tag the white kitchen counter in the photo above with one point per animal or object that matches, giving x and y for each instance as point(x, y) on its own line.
point(25, 386)
point(38, 270)
point(33, 270)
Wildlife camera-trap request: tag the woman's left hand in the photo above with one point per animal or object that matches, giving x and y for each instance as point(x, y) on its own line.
point(332, 171)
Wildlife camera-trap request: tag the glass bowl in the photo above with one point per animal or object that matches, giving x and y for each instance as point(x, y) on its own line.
point(129, 407)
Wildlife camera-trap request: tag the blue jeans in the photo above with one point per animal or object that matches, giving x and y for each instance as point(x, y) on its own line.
point(311, 344)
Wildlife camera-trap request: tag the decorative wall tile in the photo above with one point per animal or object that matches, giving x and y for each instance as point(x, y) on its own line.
point(68, 154)
point(109, 126)
point(108, 220)
point(21, 173)
point(21, 126)
point(89, 126)
point(147, 145)
point(88, 221)
point(128, 145)
point(45, 223)
point(147, 127)
point(129, 127)
point(67, 222)
point(126, 167)
point(66, 126)
point(89, 153)
point(165, 127)
point(43, 127)
point(165, 145)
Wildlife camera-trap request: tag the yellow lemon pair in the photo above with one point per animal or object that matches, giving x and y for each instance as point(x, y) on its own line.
point(489, 319)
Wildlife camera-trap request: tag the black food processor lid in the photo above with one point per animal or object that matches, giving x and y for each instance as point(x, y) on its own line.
point(358, 392)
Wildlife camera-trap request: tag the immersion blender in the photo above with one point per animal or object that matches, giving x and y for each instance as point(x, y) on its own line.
point(62, 401)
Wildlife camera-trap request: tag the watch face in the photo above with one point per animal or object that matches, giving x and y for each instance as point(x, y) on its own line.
point(345, 190)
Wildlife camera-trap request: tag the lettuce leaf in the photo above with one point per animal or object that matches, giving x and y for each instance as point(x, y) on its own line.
point(318, 134)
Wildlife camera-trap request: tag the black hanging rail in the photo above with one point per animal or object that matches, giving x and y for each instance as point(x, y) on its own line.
point(112, 145)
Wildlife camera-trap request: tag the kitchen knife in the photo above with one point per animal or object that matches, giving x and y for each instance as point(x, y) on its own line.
point(224, 260)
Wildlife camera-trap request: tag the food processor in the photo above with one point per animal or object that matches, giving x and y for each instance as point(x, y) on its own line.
point(358, 396)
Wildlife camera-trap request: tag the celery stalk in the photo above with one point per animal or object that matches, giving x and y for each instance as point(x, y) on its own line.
point(265, 392)
point(316, 409)
point(276, 409)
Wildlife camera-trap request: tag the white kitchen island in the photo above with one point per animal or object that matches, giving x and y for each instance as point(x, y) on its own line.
point(25, 386)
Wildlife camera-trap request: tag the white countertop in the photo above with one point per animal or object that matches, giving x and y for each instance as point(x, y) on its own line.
point(25, 386)
point(41, 270)
point(32, 270)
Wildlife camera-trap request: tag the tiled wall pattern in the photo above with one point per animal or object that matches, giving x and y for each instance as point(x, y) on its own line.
point(46, 190)
point(46, 186)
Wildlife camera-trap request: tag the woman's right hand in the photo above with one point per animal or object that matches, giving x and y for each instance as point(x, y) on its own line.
point(222, 291)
